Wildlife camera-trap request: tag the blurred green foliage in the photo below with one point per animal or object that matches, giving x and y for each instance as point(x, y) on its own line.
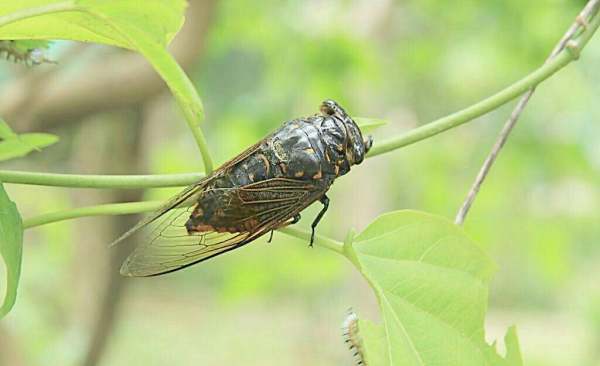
point(406, 62)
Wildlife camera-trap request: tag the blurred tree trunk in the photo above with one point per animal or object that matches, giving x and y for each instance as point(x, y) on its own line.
point(111, 143)
point(11, 352)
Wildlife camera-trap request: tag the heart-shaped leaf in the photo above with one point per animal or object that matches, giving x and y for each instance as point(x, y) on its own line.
point(431, 281)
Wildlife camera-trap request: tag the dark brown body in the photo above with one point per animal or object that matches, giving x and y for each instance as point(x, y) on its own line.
point(262, 189)
point(301, 150)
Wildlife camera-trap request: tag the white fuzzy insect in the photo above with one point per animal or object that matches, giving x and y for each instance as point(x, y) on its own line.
point(352, 337)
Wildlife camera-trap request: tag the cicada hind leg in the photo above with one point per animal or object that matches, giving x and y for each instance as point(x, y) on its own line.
point(294, 220)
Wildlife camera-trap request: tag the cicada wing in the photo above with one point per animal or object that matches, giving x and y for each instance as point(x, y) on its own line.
point(185, 198)
point(166, 245)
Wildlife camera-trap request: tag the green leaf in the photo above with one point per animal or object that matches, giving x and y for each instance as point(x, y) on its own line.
point(13, 145)
point(11, 240)
point(159, 21)
point(431, 281)
point(5, 130)
point(146, 27)
point(374, 343)
point(368, 125)
point(21, 145)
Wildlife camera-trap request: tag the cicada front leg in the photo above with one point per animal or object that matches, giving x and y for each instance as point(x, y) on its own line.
point(325, 201)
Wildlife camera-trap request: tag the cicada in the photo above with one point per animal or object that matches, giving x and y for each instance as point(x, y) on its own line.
point(264, 188)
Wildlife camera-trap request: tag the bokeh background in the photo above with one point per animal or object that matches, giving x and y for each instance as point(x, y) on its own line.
point(257, 64)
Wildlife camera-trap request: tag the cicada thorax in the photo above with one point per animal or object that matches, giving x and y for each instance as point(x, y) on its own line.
point(300, 152)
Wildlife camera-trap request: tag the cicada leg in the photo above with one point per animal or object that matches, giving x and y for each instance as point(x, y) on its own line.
point(325, 201)
point(295, 219)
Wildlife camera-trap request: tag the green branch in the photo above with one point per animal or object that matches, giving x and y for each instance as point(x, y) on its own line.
point(100, 181)
point(99, 210)
point(148, 206)
point(320, 240)
point(489, 104)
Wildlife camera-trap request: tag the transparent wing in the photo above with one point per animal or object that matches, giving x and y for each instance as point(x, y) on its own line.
point(166, 246)
point(185, 198)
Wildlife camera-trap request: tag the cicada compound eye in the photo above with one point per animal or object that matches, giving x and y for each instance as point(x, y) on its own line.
point(328, 107)
point(368, 143)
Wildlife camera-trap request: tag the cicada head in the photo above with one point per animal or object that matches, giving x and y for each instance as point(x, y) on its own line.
point(356, 146)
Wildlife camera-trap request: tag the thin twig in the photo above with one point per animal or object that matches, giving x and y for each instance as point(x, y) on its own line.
point(100, 181)
point(580, 23)
point(110, 209)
